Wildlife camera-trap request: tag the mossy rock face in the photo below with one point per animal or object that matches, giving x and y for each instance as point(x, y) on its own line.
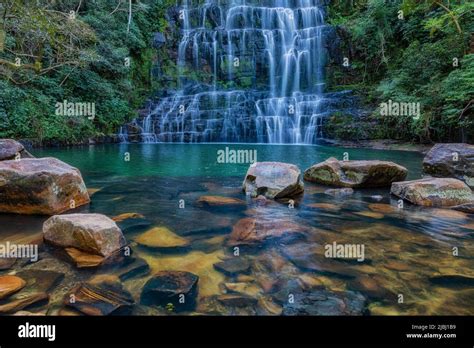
point(451, 160)
point(433, 192)
point(355, 173)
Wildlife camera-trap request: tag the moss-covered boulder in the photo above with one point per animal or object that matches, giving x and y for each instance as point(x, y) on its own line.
point(451, 160)
point(355, 173)
point(433, 192)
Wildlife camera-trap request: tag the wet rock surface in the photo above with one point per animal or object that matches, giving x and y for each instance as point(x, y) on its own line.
point(355, 173)
point(45, 186)
point(11, 149)
point(433, 192)
point(233, 266)
point(273, 180)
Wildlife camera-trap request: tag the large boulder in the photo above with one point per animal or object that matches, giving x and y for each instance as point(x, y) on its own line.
point(433, 192)
point(92, 233)
point(451, 160)
point(40, 186)
point(11, 149)
point(355, 173)
point(273, 180)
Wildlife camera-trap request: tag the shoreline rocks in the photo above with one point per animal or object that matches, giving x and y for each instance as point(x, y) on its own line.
point(44, 186)
point(355, 174)
point(94, 234)
point(11, 149)
point(273, 180)
point(433, 192)
point(454, 160)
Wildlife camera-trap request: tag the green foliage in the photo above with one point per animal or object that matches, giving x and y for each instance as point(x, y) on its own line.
point(78, 60)
point(410, 59)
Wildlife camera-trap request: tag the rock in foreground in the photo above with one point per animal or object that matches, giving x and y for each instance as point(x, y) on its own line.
point(92, 233)
point(433, 192)
point(355, 173)
point(40, 186)
point(451, 160)
point(171, 287)
point(273, 180)
point(11, 149)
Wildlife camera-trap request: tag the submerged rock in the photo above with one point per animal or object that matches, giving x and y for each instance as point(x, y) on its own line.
point(21, 301)
point(233, 266)
point(237, 300)
point(40, 186)
point(273, 180)
point(339, 192)
point(323, 302)
point(433, 192)
point(161, 237)
point(11, 149)
point(6, 263)
point(9, 285)
point(125, 216)
point(451, 160)
point(100, 298)
point(252, 231)
point(176, 287)
point(84, 260)
point(219, 201)
point(92, 233)
point(355, 173)
point(465, 208)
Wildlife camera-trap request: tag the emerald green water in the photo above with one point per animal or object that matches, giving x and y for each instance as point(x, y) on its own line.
point(409, 251)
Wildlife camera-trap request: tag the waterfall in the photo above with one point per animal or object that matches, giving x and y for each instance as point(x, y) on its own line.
point(259, 74)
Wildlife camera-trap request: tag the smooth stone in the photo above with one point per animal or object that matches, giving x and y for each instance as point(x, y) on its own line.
point(233, 266)
point(10, 149)
point(100, 298)
point(10, 284)
point(454, 160)
point(370, 287)
point(237, 300)
point(396, 266)
point(219, 201)
point(253, 231)
point(433, 192)
point(339, 192)
point(161, 237)
point(355, 173)
point(325, 206)
point(167, 287)
point(448, 214)
point(370, 214)
point(22, 301)
point(44, 186)
point(6, 263)
point(383, 208)
point(273, 180)
point(125, 216)
point(323, 302)
point(248, 289)
point(269, 307)
point(84, 260)
point(309, 282)
point(92, 233)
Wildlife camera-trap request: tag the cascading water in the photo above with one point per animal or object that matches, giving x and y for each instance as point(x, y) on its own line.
point(258, 74)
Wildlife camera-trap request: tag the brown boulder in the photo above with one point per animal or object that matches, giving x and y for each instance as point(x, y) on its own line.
point(273, 180)
point(433, 192)
point(40, 186)
point(355, 173)
point(92, 233)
